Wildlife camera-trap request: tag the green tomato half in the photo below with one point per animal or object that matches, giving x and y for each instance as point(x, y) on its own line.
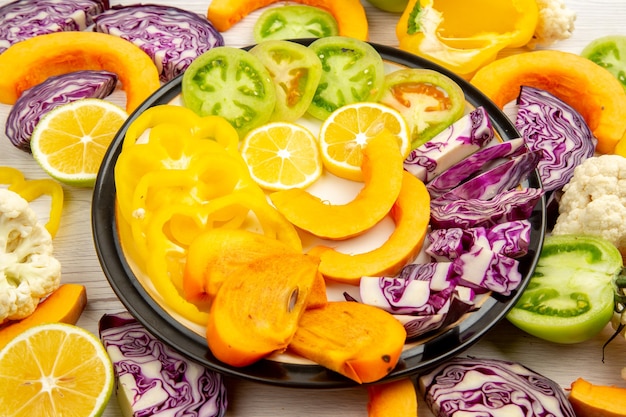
point(609, 52)
point(294, 22)
point(570, 297)
point(393, 6)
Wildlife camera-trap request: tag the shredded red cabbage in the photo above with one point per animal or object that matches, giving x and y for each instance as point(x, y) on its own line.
point(475, 387)
point(172, 37)
point(553, 127)
point(35, 102)
point(24, 19)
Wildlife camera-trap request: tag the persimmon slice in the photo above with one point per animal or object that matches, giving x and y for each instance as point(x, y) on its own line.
point(359, 341)
point(257, 309)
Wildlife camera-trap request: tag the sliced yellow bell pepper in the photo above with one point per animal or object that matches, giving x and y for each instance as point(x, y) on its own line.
point(462, 36)
point(31, 190)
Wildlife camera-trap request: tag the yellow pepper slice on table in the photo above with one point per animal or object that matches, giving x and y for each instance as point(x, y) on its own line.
point(31, 190)
point(462, 36)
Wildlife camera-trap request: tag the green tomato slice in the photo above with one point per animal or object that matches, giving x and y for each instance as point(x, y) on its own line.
point(570, 297)
point(428, 100)
point(294, 22)
point(296, 72)
point(232, 83)
point(352, 71)
point(609, 52)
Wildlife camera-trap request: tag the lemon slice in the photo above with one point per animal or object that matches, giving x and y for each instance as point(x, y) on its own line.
point(55, 369)
point(282, 155)
point(345, 132)
point(70, 141)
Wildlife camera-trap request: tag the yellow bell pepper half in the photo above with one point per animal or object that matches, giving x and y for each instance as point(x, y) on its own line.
point(462, 36)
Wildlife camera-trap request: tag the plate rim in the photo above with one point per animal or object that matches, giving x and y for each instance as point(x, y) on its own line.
point(162, 325)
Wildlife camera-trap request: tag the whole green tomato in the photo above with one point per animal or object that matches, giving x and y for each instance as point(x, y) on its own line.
point(394, 6)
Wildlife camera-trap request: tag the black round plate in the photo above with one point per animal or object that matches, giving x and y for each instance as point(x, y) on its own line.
point(415, 360)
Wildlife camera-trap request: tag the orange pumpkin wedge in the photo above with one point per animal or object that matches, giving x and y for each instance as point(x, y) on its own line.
point(27, 63)
point(356, 340)
point(411, 214)
point(382, 173)
point(64, 305)
point(350, 14)
point(392, 399)
point(256, 311)
point(590, 89)
point(590, 400)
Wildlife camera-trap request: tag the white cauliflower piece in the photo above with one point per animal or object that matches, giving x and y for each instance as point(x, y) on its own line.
point(594, 201)
point(556, 23)
point(28, 271)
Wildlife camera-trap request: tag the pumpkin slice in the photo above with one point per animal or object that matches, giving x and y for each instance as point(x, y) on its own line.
point(382, 173)
point(257, 309)
point(590, 89)
point(31, 61)
point(359, 341)
point(589, 400)
point(411, 214)
point(350, 14)
point(392, 399)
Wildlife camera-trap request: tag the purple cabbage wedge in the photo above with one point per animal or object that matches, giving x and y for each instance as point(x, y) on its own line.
point(473, 164)
point(461, 139)
point(172, 37)
point(24, 19)
point(517, 204)
point(480, 387)
point(154, 380)
point(502, 177)
point(485, 270)
point(57, 90)
point(548, 124)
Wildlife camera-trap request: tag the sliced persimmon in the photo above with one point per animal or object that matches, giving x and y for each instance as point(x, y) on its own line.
point(257, 309)
point(392, 399)
point(382, 169)
point(359, 341)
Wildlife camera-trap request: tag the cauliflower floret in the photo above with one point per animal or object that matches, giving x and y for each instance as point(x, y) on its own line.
point(28, 271)
point(594, 201)
point(556, 23)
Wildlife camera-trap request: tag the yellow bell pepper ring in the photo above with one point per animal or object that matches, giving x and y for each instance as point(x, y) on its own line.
point(462, 36)
point(31, 190)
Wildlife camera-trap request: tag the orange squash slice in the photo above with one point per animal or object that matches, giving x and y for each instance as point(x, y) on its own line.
point(590, 89)
point(27, 63)
point(411, 214)
point(257, 309)
point(359, 341)
point(382, 173)
point(589, 400)
point(392, 399)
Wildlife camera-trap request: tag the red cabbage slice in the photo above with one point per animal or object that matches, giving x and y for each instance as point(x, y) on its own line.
point(500, 178)
point(51, 93)
point(481, 387)
point(485, 270)
point(459, 140)
point(24, 19)
point(473, 164)
point(173, 37)
point(552, 126)
point(507, 206)
point(155, 380)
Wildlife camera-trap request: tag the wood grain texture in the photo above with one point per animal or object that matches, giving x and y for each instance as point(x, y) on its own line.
point(74, 248)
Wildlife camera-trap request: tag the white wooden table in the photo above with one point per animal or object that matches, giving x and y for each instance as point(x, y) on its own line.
point(562, 363)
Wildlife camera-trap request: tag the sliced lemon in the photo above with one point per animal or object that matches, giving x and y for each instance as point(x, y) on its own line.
point(55, 369)
point(345, 132)
point(282, 155)
point(70, 141)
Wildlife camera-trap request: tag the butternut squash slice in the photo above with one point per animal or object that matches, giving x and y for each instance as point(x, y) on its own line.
point(392, 399)
point(358, 341)
point(411, 214)
point(350, 14)
point(64, 305)
point(590, 89)
point(382, 174)
point(31, 61)
point(256, 311)
point(589, 400)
